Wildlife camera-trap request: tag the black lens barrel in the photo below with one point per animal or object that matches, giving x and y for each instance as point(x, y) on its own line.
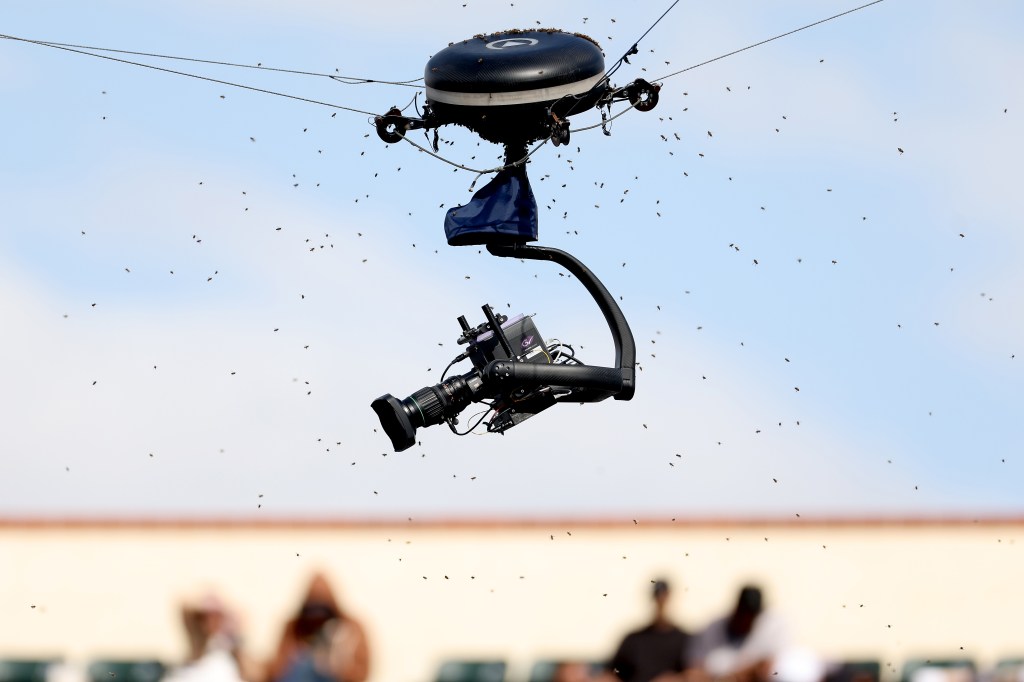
point(426, 407)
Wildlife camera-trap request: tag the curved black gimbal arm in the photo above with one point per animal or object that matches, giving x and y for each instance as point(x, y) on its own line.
point(597, 383)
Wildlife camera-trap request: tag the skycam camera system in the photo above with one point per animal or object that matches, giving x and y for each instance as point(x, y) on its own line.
point(514, 88)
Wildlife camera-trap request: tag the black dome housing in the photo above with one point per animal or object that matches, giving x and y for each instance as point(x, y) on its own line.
point(509, 87)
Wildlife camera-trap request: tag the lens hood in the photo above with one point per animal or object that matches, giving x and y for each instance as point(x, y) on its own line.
point(395, 422)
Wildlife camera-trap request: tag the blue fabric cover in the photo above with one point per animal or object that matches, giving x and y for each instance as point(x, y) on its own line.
point(504, 211)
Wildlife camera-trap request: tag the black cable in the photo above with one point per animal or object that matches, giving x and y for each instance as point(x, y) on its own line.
point(781, 35)
point(450, 364)
point(197, 76)
point(483, 415)
point(624, 58)
point(729, 54)
point(634, 49)
point(79, 49)
point(347, 80)
point(655, 23)
point(606, 78)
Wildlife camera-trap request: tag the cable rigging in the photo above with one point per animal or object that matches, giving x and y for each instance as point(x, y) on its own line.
point(606, 116)
point(768, 40)
point(84, 50)
point(347, 80)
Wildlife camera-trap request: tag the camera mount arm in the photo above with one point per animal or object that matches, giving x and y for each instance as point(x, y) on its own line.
point(597, 383)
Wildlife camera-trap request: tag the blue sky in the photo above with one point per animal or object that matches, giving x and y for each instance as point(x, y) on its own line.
point(170, 352)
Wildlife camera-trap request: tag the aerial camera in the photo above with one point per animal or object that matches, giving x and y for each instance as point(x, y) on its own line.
point(514, 371)
point(514, 88)
point(492, 345)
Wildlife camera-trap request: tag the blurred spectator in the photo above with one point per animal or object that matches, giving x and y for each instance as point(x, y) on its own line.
point(214, 645)
point(798, 664)
point(575, 671)
point(1009, 670)
point(743, 645)
point(321, 643)
point(654, 650)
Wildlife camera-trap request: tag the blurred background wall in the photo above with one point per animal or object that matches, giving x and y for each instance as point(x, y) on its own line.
point(427, 591)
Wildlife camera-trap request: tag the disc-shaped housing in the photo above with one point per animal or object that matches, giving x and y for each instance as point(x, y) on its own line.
point(506, 86)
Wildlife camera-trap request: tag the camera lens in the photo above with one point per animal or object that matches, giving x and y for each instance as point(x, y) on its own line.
point(395, 421)
point(426, 407)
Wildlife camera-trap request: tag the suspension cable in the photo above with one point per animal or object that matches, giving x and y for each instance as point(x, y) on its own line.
point(341, 78)
point(631, 51)
point(352, 80)
point(768, 40)
point(478, 172)
point(196, 76)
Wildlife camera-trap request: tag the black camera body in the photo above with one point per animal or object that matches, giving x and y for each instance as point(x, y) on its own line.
point(495, 341)
point(525, 343)
point(522, 336)
point(515, 372)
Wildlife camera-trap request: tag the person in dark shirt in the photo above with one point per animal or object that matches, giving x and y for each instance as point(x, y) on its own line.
point(658, 648)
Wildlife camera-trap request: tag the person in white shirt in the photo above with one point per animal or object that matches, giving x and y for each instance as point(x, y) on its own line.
point(215, 652)
point(741, 646)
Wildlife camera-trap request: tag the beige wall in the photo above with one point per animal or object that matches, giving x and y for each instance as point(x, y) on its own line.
point(883, 590)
